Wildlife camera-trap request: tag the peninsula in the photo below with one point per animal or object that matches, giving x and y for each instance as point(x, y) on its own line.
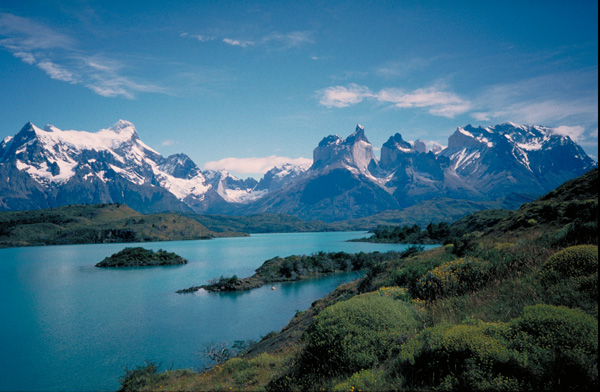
point(294, 268)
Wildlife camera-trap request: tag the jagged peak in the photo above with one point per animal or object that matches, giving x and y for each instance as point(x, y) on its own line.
point(357, 135)
point(396, 139)
point(330, 140)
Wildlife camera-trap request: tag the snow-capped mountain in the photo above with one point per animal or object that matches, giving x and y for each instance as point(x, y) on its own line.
point(500, 158)
point(479, 164)
point(49, 167)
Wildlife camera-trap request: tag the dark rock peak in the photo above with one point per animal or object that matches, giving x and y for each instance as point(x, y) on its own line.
point(358, 135)
point(331, 140)
point(396, 141)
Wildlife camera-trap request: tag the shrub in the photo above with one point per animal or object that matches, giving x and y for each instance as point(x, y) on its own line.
point(453, 278)
point(572, 262)
point(570, 278)
point(459, 357)
point(356, 334)
point(561, 346)
point(365, 380)
point(140, 377)
point(547, 348)
point(394, 292)
point(408, 274)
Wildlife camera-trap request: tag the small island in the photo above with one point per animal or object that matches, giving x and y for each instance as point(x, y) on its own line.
point(140, 257)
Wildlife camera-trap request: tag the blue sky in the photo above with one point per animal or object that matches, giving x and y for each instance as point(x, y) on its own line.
point(245, 85)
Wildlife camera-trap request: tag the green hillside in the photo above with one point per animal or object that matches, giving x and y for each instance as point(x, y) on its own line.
point(260, 223)
point(100, 223)
point(511, 304)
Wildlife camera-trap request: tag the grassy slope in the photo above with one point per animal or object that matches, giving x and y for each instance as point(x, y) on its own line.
point(509, 249)
point(99, 223)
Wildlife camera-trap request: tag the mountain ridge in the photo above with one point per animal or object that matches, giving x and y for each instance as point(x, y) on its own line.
point(43, 168)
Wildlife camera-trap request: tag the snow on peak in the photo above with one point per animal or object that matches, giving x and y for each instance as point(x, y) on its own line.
point(464, 132)
point(123, 126)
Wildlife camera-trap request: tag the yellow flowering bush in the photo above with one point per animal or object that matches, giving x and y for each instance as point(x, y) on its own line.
point(365, 380)
point(453, 278)
point(571, 262)
point(394, 292)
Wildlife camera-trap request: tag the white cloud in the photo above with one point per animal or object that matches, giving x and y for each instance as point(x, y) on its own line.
point(199, 37)
point(341, 97)
point(168, 142)
point(545, 100)
point(440, 103)
point(25, 57)
point(289, 40)
point(22, 34)
point(253, 165)
point(275, 40)
point(235, 42)
point(59, 56)
point(57, 72)
point(574, 132)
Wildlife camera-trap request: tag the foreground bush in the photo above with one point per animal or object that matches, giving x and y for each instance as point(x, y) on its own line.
point(548, 348)
point(572, 262)
point(359, 333)
point(561, 347)
point(570, 278)
point(456, 277)
point(365, 380)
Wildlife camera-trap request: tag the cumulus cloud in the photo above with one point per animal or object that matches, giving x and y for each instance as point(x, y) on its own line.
point(439, 103)
point(253, 165)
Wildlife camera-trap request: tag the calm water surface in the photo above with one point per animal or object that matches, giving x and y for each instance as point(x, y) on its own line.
point(66, 325)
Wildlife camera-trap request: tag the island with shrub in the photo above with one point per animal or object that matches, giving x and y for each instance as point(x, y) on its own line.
point(140, 257)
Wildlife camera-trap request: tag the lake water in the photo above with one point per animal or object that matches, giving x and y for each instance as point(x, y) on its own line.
point(66, 325)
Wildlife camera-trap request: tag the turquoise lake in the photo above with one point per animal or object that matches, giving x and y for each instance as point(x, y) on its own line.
point(66, 325)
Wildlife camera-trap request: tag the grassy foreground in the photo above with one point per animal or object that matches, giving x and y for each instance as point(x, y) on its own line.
point(510, 305)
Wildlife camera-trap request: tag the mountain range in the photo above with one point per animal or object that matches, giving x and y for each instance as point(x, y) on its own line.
point(49, 167)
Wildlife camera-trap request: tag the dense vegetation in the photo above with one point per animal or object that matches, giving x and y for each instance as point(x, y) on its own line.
point(509, 306)
point(100, 223)
point(140, 257)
